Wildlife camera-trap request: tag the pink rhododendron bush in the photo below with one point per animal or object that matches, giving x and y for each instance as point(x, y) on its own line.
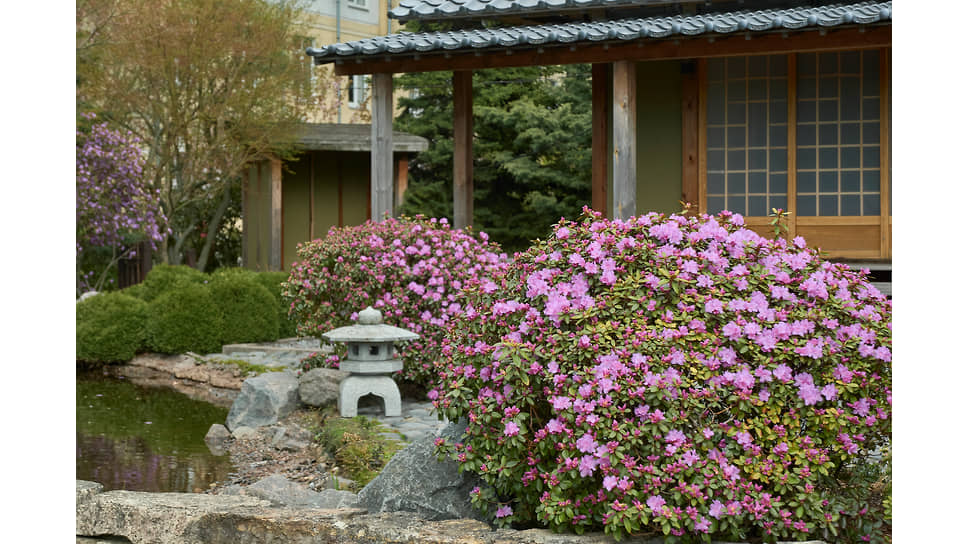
point(411, 269)
point(676, 375)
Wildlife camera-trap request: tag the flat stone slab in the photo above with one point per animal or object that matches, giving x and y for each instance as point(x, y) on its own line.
point(192, 518)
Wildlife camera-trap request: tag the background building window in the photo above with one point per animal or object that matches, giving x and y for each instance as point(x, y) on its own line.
point(356, 92)
point(746, 134)
point(358, 4)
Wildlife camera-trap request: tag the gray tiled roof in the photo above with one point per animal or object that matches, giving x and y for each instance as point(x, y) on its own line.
point(441, 9)
point(504, 38)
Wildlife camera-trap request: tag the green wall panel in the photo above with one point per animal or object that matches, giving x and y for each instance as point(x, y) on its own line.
point(659, 137)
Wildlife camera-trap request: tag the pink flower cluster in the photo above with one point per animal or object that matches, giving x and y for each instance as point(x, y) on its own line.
point(413, 270)
point(668, 373)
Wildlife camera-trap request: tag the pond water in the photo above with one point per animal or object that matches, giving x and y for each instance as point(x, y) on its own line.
point(144, 439)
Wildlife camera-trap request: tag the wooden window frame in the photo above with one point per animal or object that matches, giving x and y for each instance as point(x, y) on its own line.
point(841, 231)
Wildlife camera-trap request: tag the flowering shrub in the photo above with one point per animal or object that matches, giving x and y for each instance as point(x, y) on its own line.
point(671, 374)
point(115, 206)
point(411, 269)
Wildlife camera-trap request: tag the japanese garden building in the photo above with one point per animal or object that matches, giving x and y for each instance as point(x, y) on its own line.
point(739, 105)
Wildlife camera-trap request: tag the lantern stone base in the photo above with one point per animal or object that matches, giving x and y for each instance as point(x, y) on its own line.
point(355, 387)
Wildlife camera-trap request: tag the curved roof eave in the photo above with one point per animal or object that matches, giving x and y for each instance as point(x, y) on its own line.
point(485, 40)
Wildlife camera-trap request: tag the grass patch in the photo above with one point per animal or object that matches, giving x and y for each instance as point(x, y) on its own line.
point(356, 444)
point(245, 367)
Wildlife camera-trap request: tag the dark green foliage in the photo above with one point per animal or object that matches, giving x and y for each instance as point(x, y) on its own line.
point(163, 277)
point(532, 148)
point(249, 312)
point(110, 328)
point(184, 319)
point(273, 282)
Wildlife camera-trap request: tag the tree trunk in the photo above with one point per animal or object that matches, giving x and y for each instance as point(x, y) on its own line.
point(213, 225)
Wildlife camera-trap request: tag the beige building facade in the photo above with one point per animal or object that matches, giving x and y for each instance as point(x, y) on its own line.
point(345, 99)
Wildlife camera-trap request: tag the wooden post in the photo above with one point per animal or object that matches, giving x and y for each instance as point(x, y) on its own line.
point(600, 138)
point(690, 136)
point(623, 139)
point(463, 149)
point(885, 158)
point(381, 152)
point(246, 215)
point(275, 238)
point(401, 186)
point(791, 221)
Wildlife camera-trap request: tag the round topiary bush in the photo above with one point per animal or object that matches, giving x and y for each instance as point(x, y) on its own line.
point(249, 312)
point(164, 277)
point(412, 269)
point(186, 318)
point(110, 328)
point(273, 282)
point(676, 375)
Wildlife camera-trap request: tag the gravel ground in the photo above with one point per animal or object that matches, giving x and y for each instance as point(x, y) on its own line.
point(284, 448)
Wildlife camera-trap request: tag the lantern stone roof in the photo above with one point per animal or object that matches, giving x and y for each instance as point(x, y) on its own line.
point(483, 40)
point(370, 329)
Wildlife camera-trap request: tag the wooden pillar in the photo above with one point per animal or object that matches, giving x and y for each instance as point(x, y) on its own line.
point(401, 185)
point(381, 153)
point(623, 139)
point(463, 149)
point(885, 158)
point(275, 190)
point(690, 136)
point(246, 217)
point(600, 137)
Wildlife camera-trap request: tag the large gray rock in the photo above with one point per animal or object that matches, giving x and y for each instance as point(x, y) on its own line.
point(320, 386)
point(415, 481)
point(264, 400)
point(282, 492)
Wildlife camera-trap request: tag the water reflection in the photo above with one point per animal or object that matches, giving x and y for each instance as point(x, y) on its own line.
point(144, 439)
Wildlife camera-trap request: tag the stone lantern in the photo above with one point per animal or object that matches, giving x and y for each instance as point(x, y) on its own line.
point(369, 360)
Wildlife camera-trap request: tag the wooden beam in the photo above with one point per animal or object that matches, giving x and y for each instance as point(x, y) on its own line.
point(623, 140)
point(463, 149)
point(600, 138)
point(690, 138)
point(275, 189)
point(381, 154)
point(863, 37)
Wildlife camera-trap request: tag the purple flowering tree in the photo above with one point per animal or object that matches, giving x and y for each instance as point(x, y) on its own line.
point(674, 375)
point(115, 207)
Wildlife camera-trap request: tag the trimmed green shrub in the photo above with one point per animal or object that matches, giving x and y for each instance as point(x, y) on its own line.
point(249, 312)
point(184, 319)
point(110, 328)
point(163, 278)
point(273, 282)
point(137, 291)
